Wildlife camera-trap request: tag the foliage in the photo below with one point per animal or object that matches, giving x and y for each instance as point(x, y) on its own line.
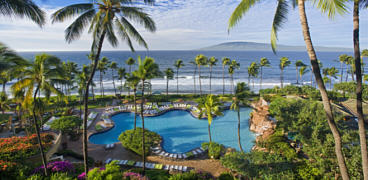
point(57, 166)
point(111, 171)
point(19, 148)
point(226, 176)
point(132, 139)
point(66, 123)
point(192, 175)
point(215, 150)
point(152, 173)
point(74, 155)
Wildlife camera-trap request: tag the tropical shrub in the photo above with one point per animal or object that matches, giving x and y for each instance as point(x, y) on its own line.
point(152, 173)
point(132, 139)
point(66, 123)
point(226, 176)
point(19, 148)
point(111, 171)
point(215, 150)
point(192, 175)
point(133, 176)
point(57, 166)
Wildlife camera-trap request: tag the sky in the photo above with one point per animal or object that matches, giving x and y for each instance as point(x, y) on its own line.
point(188, 25)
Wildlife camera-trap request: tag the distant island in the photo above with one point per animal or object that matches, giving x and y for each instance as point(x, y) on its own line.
point(253, 46)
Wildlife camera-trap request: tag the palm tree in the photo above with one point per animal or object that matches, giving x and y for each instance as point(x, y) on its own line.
point(242, 91)
point(82, 81)
point(169, 73)
point(103, 16)
point(194, 75)
point(298, 63)
point(343, 59)
point(225, 62)
point(253, 71)
point(232, 67)
point(113, 66)
point(145, 72)
point(302, 71)
point(121, 76)
point(332, 72)
point(349, 62)
point(132, 82)
point(39, 75)
point(211, 62)
point(130, 62)
point(178, 64)
point(359, 89)
point(102, 68)
point(263, 63)
point(200, 60)
point(211, 108)
point(284, 62)
point(23, 8)
point(365, 78)
point(4, 102)
point(331, 7)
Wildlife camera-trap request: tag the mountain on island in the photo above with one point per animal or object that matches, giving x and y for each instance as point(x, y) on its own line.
point(253, 46)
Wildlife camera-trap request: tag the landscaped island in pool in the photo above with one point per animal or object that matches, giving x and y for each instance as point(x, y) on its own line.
point(181, 132)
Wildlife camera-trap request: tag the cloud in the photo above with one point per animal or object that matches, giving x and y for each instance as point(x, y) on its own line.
point(191, 24)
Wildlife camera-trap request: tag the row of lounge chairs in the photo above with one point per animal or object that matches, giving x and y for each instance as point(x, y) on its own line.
point(109, 146)
point(193, 153)
point(149, 165)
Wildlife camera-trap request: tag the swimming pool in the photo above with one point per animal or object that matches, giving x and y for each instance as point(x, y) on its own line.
point(181, 132)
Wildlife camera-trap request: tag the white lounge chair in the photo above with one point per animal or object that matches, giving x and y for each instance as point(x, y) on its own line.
point(108, 161)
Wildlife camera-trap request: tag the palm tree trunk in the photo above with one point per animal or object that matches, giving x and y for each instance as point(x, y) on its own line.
point(177, 80)
point(352, 74)
point(38, 132)
point(4, 87)
point(113, 80)
point(167, 86)
point(232, 84)
point(297, 77)
point(130, 71)
point(209, 132)
point(210, 79)
point(143, 138)
point(347, 74)
point(260, 83)
point(199, 79)
point(325, 99)
point(86, 92)
point(239, 142)
point(342, 72)
point(93, 92)
point(223, 79)
point(359, 90)
point(282, 78)
point(194, 77)
point(135, 108)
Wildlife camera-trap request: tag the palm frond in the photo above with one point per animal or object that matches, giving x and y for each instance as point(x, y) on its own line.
point(239, 11)
point(23, 8)
point(70, 11)
point(331, 7)
point(124, 34)
point(137, 15)
point(278, 20)
point(75, 30)
point(111, 35)
point(132, 32)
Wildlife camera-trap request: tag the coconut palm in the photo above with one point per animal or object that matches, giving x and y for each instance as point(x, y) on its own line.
point(253, 71)
point(349, 70)
point(169, 73)
point(113, 66)
point(284, 62)
point(232, 67)
point(359, 89)
point(102, 67)
point(22, 8)
point(332, 72)
point(263, 63)
point(130, 62)
point(4, 102)
point(298, 63)
point(365, 78)
point(132, 82)
point(200, 60)
point(342, 59)
point(38, 78)
point(121, 76)
point(225, 62)
point(211, 62)
point(330, 7)
point(302, 71)
point(103, 16)
point(81, 79)
point(146, 70)
point(210, 107)
point(194, 75)
point(242, 91)
point(178, 64)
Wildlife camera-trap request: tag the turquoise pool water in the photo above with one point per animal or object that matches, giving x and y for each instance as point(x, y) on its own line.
point(182, 132)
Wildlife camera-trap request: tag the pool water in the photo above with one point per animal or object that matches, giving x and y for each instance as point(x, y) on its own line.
point(182, 132)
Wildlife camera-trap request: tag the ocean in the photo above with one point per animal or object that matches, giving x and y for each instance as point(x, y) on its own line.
point(166, 59)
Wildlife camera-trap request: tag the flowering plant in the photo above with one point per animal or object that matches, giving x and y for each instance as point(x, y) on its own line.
point(6, 165)
point(134, 176)
point(14, 148)
point(57, 166)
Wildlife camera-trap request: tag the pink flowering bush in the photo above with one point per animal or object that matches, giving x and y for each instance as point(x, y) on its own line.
point(57, 166)
point(133, 176)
